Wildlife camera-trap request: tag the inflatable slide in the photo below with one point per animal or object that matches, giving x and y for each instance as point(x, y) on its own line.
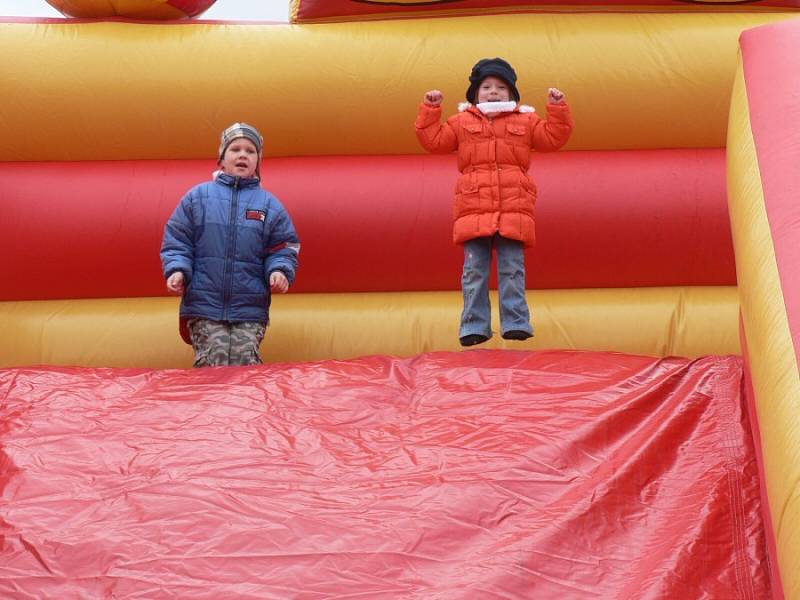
point(644, 444)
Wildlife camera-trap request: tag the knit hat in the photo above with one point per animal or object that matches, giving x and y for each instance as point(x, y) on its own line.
point(488, 67)
point(242, 130)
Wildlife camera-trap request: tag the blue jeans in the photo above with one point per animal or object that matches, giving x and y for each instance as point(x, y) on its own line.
point(477, 315)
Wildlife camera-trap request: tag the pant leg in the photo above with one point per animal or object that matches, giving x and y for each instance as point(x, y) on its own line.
point(476, 318)
point(514, 312)
point(246, 341)
point(211, 341)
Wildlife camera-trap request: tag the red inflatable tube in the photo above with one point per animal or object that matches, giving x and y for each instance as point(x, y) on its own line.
point(373, 223)
point(309, 11)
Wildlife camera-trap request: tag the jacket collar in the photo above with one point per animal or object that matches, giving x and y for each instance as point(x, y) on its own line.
point(230, 180)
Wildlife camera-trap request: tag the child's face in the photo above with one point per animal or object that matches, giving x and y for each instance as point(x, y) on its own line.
point(240, 158)
point(493, 89)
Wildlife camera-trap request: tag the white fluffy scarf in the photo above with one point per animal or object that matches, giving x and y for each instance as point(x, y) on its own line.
point(496, 107)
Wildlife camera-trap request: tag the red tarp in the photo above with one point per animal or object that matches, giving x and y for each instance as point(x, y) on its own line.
point(480, 474)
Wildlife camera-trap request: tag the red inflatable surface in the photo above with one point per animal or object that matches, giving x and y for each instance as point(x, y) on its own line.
point(481, 474)
point(631, 219)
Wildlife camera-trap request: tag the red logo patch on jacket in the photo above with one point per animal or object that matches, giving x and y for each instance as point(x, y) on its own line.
point(258, 215)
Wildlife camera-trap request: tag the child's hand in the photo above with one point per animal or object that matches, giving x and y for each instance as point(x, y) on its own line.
point(555, 96)
point(278, 282)
point(433, 98)
point(175, 283)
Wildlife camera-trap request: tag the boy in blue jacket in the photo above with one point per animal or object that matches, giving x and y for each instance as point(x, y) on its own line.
point(227, 246)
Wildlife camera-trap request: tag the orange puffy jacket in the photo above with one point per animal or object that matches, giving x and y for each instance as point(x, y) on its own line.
point(494, 193)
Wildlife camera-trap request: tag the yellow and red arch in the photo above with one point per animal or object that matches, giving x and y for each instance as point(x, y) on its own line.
point(90, 171)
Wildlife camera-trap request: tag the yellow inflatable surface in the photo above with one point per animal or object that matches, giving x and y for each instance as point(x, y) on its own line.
point(141, 332)
point(634, 81)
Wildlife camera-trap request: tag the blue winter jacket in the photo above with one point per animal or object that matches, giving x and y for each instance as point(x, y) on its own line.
point(227, 236)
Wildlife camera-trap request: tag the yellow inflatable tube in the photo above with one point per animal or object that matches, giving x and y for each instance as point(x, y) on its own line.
point(634, 80)
point(141, 332)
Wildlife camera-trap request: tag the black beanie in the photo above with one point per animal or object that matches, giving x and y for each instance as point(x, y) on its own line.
point(488, 67)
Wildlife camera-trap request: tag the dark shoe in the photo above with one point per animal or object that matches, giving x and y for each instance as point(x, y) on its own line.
point(517, 334)
point(472, 339)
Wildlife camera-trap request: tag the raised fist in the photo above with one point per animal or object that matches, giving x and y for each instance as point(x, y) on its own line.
point(555, 96)
point(433, 98)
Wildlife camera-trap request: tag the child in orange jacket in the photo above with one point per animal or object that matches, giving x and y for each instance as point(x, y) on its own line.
point(495, 196)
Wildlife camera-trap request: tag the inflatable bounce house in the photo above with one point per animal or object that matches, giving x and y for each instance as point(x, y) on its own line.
point(644, 444)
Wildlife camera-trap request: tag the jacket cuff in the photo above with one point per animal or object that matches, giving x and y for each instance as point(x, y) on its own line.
point(428, 115)
point(559, 108)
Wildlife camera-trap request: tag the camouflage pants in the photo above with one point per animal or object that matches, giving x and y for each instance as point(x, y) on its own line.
point(222, 343)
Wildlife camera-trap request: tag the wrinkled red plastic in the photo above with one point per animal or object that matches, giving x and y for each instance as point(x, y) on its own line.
point(482, 474)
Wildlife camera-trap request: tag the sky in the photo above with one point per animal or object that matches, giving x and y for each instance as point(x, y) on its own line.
point(235, 10)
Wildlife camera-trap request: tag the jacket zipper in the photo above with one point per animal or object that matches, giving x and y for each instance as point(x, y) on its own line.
point(230, 250)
